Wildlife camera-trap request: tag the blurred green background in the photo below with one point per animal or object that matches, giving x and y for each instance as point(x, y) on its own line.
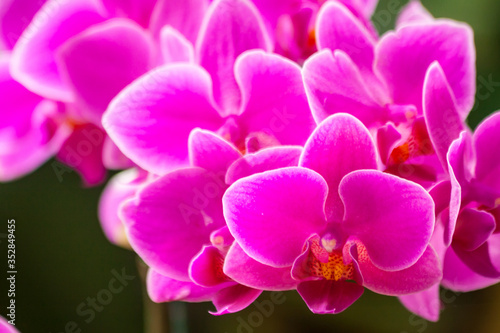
point(63, 256)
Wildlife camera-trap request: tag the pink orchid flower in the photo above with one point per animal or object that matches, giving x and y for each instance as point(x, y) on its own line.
point(335, 222)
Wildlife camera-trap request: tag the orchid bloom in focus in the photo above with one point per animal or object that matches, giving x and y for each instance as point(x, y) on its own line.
point(336, 222)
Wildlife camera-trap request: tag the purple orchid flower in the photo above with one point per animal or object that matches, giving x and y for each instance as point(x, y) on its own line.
point(334, 223)
point(248, 97)
point(380, 81)
point(175, 223)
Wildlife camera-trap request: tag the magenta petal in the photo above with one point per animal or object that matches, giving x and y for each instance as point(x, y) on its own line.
point(487, 140)
point(273, 97)
point(426, 303)
point(164, 289)
point(229, 28)
point(388, 138)
point(329, 151)
point(408, 52)
point(184, 16)
point(113, 158)
point(34, 56)
point(334, 84)
point(102, 60)
point(324, 296)
point(258, 208)
point(413, 13)
point(14, 18)
point(121, 187)
point(175, 47)
point(264, 160)
point(338, 29)
point(418, 277)
point(485, 260)
point(249, 272)
point(392, 217)
point(151, 119)
point(441, 116)
point(272, 10)
point(209, 151)
point(5, 327)
point(171, 219)
point(28, 135)
point(206, 268)
point(233, 299)
point(458, 276)
point(82, 151)
point(137, 10)
point(473, 228)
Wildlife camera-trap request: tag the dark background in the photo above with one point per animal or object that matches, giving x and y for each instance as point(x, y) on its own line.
point(63, 257)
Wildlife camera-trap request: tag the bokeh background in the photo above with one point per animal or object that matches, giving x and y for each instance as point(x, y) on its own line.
point(63, 257)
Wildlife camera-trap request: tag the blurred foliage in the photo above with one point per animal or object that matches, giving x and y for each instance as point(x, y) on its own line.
point(63, 257)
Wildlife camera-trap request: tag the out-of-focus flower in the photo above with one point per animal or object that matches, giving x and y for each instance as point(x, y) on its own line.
point(243, 95)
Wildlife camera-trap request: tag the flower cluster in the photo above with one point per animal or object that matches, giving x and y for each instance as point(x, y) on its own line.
point(269, 145)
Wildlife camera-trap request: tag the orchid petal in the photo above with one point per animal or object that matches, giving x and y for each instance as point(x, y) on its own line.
point(473, 229)
point(258, 208)
point(264, 160)
point(175, 47)
point(82, 151)
point(139, 11)
point(413, 13)
point(273, 97)
point(233, 299)
point(176, 211)
point(99, 62)
point(392, 217)
point(425, 273)
point(338, 29)
point(151, 119)
point(425, 303)
point(458, 276)
point(14, 18)
point(324, 296)
point(184, 16)
point(209, 151)
point(402, 58)
point(165, 289)
point(230, 27)
point(121, 187)
point(247, 271)
point(334, 84)
point(486, 140)
point(441, 116)
point(206, 268)
point(485, 260)
point(339, 145)
point(34, 56)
